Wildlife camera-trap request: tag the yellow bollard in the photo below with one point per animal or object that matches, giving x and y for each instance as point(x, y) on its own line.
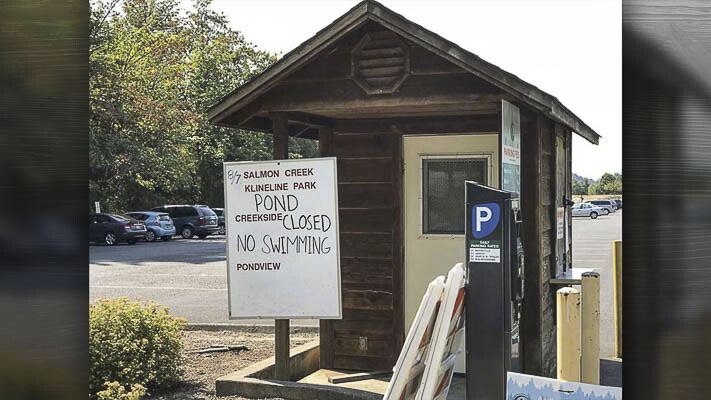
point(568, 334)
point(590, 340)
point(617, 270)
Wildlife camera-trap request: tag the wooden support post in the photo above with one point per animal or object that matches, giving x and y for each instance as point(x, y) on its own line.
point(325, 138)
point(617, 271)
point(280, 131)
point(281, 350)
point(590, 340)
point(568, 334)
point(326, 340)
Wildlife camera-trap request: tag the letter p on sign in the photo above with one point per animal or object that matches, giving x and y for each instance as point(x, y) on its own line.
point(483, 214)
point(485, 218)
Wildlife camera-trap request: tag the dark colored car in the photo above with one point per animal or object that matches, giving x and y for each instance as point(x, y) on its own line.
point(115, 228)
point(619, 203)
point(158, 225)
point(190, 220)
point(220, 220)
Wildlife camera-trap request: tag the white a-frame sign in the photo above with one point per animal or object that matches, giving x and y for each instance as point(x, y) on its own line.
point(425, 366)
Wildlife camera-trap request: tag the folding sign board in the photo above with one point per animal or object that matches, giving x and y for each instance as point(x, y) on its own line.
point(283, 258)
point(447, 337)
point(410, 366)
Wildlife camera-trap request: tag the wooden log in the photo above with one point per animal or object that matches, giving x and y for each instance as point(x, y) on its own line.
point(366, 220)
point(367, 169)
point(355, 346)
point(367, 299)
point(365, 195)
point(372, 244)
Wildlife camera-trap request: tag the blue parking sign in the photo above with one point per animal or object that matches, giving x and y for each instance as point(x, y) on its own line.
point(485, 219)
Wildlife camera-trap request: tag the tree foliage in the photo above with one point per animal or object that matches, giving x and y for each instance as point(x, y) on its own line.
point(608, 184)
point(154, 70)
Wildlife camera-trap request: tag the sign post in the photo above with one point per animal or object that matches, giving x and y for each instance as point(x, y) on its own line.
point(489, 314)
point(281, 219)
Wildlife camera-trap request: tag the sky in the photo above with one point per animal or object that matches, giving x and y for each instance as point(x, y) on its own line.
point(572, 49)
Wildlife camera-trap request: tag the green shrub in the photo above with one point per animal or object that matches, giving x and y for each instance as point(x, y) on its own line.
point(114, 391)
point(133, 343)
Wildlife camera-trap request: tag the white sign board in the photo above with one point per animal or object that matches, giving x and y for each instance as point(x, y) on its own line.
point(510, 147)
point(560, 223)
point(531, 387)
point(97, 206)
point(283, 258)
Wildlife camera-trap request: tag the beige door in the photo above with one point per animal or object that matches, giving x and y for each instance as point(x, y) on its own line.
point(435, 167)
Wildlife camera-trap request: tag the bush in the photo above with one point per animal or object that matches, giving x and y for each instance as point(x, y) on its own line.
point(114, 391)
point(132, 343)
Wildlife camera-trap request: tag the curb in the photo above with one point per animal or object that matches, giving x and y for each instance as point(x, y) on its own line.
point(248, 328)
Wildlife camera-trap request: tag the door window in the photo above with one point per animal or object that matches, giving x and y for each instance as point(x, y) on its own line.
point(443, 192)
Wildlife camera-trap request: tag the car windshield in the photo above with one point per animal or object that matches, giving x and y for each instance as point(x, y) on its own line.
point(121, 217)
point(164, 217)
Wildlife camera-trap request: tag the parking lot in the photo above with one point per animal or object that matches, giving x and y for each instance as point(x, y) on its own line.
point(189, 276)
point(592, 248)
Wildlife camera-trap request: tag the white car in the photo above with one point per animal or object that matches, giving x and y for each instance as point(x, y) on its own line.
point(588, 210)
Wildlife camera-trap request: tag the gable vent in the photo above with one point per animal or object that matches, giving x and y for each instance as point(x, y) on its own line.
point(380, 62)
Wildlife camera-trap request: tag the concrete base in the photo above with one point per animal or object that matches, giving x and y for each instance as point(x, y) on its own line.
point(378, 386)
point(256, 380)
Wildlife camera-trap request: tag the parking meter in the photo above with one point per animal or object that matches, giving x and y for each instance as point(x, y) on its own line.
point(494, 291)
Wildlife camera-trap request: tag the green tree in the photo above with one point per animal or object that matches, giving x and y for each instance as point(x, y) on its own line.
point(580, 187)
point(610, 184)
point(154, 70)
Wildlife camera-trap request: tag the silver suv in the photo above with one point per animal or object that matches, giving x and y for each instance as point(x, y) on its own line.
point(605, 204)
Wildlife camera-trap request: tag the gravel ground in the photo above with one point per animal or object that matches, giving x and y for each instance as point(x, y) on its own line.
point(202, 370)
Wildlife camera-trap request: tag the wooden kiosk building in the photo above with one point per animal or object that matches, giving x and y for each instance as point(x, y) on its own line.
point(409, 115)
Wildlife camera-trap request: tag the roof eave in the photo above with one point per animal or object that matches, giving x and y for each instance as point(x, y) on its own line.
point(291, 60)
point(372, 10)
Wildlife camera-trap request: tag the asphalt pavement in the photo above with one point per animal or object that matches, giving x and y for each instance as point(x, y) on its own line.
point(187, 276)
point(592, 248)
point(190, 276)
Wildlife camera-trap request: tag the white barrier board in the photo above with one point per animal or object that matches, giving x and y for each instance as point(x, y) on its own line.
point(410, 366)
point(281, 219)
point(448, 336)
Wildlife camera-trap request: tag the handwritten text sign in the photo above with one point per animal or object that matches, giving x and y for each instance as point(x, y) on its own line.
point(282, 239)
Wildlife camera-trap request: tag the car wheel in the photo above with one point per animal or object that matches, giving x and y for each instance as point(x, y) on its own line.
point(605, 211)
point(593, 215)
point(202, 236)
point(186, 232)
point(221, 231)
point(132, 241)
point(150, 236)
point(165, 238)
point(110, 238)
